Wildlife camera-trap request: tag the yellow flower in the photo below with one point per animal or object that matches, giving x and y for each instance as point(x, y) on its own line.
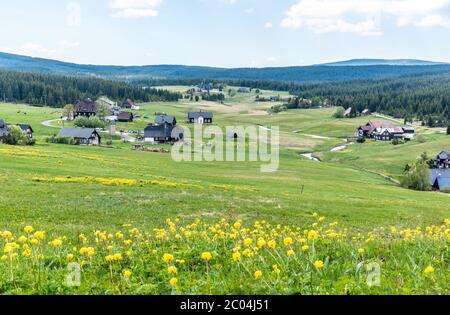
point(258, 274)
point(236, 256)
point(248, 242)
point(288, 241)
point(237, 225)
point(127, 273)
point(313, 235)
point(39, 235)
point(429, 270)
point(34, 241)
point(276, 269)
point(305, 248)
point(168, 258)
point(4, 258)
point(261, 243)
point(290, 252)
point(173, 282)
point(69, 257)
point(172, 269)
point(117, 257)
point(318, 264)
point(272, 244)
point(56, 243)
point(23, 239)
point(361, 250)
point(109, 258)
point(7, 234)
point(26, 253)
point(28, 229)
point(207, 256)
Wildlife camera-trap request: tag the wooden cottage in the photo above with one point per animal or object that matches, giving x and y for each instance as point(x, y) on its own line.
point(85, 136)
point(27, 129)
point(85, 108)
point(200, 118)
point(125, 117)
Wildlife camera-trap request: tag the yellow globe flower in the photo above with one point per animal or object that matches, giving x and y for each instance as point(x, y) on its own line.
point(258, 274)
point(168, 258)
point(319, 264)
point(288, 241)
point(173, 282)
point(172, 270)
point(429, 270)
point(236, 256)
point(127, 273)
point(290, 252)
point(248, 242)
point(28, 229)
point(261, 243)
point(56, 243)
point(23, 239)
point(207, 256)
point(313, 235)
point(272, 244)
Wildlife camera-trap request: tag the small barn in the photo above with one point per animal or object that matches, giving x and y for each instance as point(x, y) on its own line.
point(125, 117)
point(200, 118)
point(85, 136)
point(86, 108)
point(27, 129)
point(440, 179)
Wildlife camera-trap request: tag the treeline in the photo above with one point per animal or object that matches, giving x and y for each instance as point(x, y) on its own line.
point(424, 97)
point(56, 91)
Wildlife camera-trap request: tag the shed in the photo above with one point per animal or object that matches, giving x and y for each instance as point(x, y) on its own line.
point(200, 118)
point(165, 119)
point(125, 117)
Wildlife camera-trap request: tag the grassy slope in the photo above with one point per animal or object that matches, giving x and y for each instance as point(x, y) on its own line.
point(337, 190)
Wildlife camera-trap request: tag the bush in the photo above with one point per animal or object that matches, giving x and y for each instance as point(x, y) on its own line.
point(17, 137)
point(62, 140)
point(417, 176)
point(339, 113)
point(90, 122)
point(421, 139)
point(397, 141)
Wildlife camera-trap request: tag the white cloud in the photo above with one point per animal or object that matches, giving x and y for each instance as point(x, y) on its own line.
point(268, 25)
point(364, 17)
point(134, 8)
point(68, 44)
point(272, 59)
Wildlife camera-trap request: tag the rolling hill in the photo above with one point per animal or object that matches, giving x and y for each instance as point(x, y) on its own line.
point(342, 71)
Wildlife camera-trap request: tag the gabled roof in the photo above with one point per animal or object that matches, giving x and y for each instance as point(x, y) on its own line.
point(125, 115)
point(444, 155)
point(87, 106)
point(159, 131)
point(163, 119)
point(25, 127)
point(80, 133)
point(196, 115)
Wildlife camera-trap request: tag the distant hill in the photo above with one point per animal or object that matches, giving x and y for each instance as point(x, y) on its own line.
point(350, 70)
point(385, 62)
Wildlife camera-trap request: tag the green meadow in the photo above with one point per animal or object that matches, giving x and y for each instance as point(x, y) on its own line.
point(341, 187)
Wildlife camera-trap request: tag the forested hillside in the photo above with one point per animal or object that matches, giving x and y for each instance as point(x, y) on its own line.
point(56, 91)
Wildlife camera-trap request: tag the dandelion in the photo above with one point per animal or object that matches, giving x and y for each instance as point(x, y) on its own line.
point(290, 252)
point(248, 242)
point(56, 243)
point(429, 270)
point(236, 257)
point(361, 250)
point(207, 256)
point(272, 244)
point(69, 257)
point(276, 269)
point(172, 270)
point(288, 241)
point(318, 264)
point(261, 243)
point(313, 235)
point(305, 248)
point(168, 258)
point(127, 273)
point(23, 239)
point(173, 282)
point(258, 274)
point(28, 229)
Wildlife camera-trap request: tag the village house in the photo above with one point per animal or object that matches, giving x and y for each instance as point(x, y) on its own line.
point(129, 104)
point(384, 131)
point(164, 130)
point(125, 117)
point(4, 129)
point(200, 118)
point(442, 161)
point(86, 108)
point(27, 129)
point(365, 112)
point(85, 136)
point(105, 101)
point(440, 179)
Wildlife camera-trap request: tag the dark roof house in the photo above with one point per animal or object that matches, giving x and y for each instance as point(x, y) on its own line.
point(85, 108)
point(200, 117)
point(165, 119)
point(128, 104)
point(125, 117)
point(440, 179)
point(162, 133)
point(86, 136)
point(27, 129)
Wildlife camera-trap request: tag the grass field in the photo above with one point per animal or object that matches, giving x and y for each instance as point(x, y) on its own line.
point(68, 190)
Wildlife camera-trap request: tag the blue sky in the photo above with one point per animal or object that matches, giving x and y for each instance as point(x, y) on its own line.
point(227, 33)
